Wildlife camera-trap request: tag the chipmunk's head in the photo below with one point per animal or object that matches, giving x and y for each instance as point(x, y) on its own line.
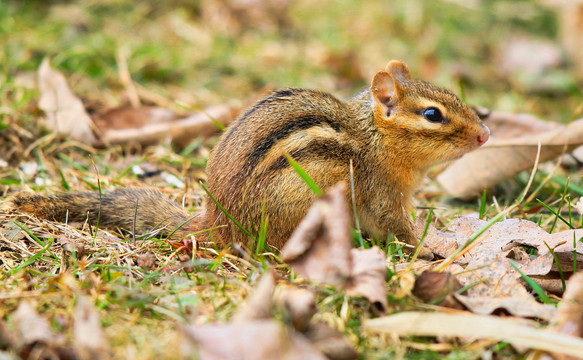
point(429, 123)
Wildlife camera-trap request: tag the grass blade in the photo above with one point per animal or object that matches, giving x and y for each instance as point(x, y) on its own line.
point(558, 266)
point(482, 210)
point(540, 292)
point(30, 260)
point(558, 216)
point(315, 188)
point(225, 211)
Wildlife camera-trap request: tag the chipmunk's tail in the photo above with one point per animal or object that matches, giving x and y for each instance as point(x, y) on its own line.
point(142, 210)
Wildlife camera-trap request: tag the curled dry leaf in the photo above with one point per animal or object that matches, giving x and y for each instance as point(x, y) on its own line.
point(569, 319)
point(90, 343)
point(297, 305)
point(477, 326)
point(517, 306)
point(35, 335)
point(147, 260)
point(330, 342)
point(367, 277)
point(440, 243)
point(145, 125)
point(258, 339)
point(7, 338)
point(64, 111)
point(319, 248)
point(148, 125)
point(495, 283)
point(437, 288)
point(259, 304)
point(511, 149)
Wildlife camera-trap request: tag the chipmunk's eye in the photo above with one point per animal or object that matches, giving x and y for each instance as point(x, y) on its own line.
point(433, 115)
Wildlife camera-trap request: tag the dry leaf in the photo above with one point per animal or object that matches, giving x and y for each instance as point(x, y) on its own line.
point(437, 288)
point(297, 305)
point(551, 282)
point(145, 125)
point(503, 157)
point(36, 337)
point(517, 306)
point(495, 283)
point(128, 117)
point(258, 306)
point(476, 326)
point(64, 111)
point(319, 248)
point(259, 339)
point(90, 342)
point(149, 125)
point(7, 338)
point(367, 277)
point(147, 261)
point(569, 319)
point(440, 243)
point(330, 342)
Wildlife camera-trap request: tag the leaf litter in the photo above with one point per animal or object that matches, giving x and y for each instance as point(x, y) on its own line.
point(146, 125)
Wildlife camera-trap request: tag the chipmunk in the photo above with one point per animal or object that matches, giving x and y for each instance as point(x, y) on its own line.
point(393, 132)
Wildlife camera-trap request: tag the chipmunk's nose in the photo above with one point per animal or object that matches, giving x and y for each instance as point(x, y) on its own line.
point(484, 135)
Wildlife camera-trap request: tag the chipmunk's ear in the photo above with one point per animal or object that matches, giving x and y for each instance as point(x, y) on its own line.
point(385, 87)
point(399, 71)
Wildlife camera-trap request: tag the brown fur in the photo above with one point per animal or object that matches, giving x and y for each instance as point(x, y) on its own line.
point(381, 130)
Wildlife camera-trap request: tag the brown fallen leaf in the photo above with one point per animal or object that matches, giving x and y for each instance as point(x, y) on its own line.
point(36, 337)
point(258, 339)
point(367, 276)
point(476, 326)
point(297, 305)
point(8, 339)
point(149, 125)
point(331, 342)
point(145, 125)
point(90, 343)
point(495, 283)
point(129, 117)
point(259, 304)
point(440, 243)
point(437, 288)
point(64, 111)
point(503, 156)
point(569, 319)
point(517, 306)
point(319, 248)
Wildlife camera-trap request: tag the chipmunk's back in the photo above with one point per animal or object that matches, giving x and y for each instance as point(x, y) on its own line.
point(247, 167)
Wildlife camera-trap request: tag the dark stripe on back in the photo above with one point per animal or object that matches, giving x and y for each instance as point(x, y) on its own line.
point(288, 128)
point(272, 97)
point(325, 149)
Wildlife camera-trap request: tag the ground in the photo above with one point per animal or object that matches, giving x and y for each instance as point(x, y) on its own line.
point(189, 55)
